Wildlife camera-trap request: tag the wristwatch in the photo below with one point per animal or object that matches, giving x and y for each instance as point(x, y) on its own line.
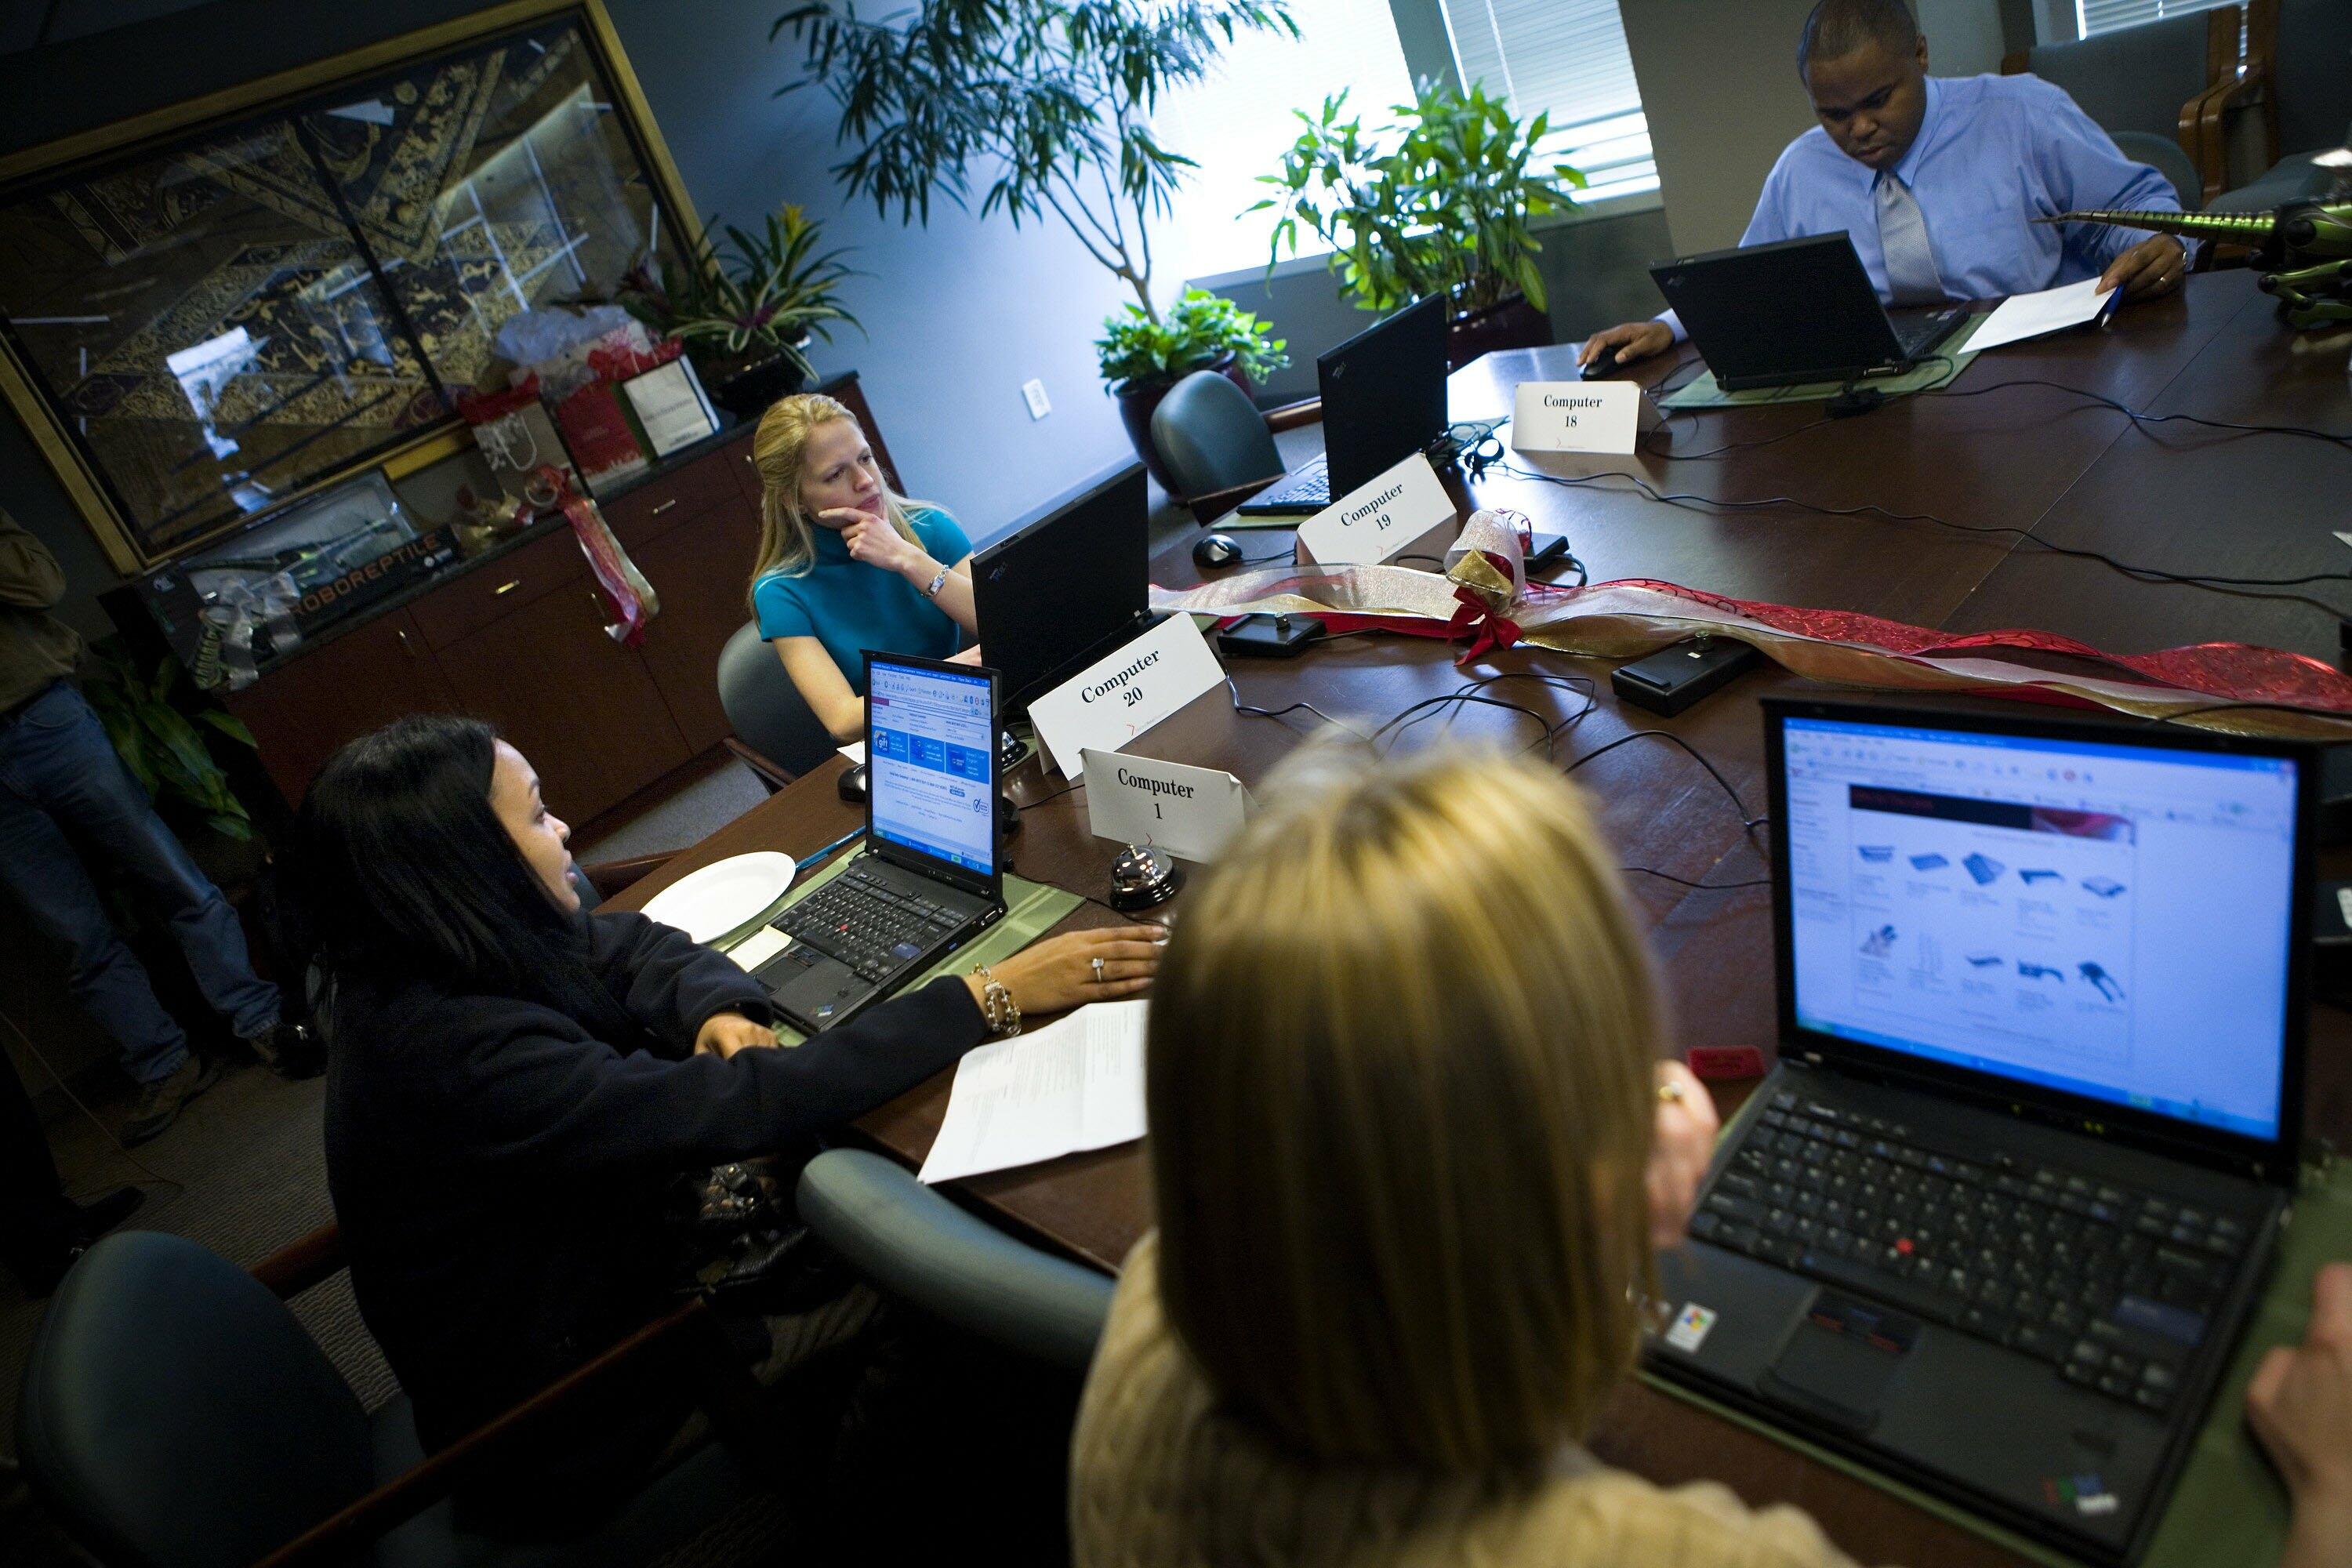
point(937, 583)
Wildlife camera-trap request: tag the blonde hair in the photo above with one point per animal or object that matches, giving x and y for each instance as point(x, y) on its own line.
point(1400, 1079)
point(780, 452)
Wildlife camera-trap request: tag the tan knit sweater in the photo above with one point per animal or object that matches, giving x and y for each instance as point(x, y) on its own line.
point(1161, 1479)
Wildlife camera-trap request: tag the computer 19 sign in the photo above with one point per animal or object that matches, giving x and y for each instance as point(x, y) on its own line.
point(1379, 516)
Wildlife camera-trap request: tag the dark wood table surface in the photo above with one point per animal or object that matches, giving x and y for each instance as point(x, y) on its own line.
point(1988, 455)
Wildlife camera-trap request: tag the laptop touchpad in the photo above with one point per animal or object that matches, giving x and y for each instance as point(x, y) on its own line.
point(1835, 1367)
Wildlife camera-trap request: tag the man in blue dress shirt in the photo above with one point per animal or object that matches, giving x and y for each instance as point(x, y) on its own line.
point(1937, 179)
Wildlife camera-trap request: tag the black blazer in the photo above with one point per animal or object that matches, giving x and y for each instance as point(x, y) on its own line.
point(497, 1166)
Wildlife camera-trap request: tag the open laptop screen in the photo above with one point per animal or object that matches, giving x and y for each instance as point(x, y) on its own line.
point(931, 760)
point(2107, 919)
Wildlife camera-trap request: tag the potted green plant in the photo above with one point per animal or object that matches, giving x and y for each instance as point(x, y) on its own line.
point(1439, 202)
point(1050, 101)
point(1142, 357)
point(747, 308)
point(163, 747)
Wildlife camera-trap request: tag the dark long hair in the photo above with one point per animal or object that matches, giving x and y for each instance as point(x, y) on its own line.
point(407, 873)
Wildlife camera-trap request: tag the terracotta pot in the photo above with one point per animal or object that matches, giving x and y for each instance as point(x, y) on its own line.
point(1137, 402)
point(1511, 323)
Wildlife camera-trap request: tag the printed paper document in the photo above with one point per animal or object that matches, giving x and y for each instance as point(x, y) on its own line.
point(1078, 1083)
point(2022, 316)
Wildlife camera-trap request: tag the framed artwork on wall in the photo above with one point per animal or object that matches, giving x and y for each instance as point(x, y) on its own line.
point(210, 311)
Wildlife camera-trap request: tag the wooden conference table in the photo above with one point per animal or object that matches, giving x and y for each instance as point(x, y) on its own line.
point(1992, 453)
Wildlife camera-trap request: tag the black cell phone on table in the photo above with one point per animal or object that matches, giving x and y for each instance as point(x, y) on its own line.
point(1671, 678)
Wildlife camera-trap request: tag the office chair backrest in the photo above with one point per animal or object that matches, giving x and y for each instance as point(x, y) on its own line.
point(1210, 437)
point(2164, 155)
point(2312, 73)
point(767, 710)
point(176, 1416)
point(915, 1246)
point(2137, 78)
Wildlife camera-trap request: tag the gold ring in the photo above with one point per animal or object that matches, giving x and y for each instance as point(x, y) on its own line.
point(1671, 1092)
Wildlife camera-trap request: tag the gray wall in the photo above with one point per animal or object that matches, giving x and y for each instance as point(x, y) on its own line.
point(959, 314)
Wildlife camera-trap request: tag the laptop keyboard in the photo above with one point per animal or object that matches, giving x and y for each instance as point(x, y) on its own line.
point(865, 922)
point(1307, 490)
point(2113, 1288)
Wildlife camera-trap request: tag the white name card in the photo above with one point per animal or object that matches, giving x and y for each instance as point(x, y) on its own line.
point(1186, 811)
point(1379, 518)
point(1580, 416)
point(1112, 701)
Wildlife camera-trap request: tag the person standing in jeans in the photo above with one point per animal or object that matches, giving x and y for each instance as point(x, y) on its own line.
point(57, 770)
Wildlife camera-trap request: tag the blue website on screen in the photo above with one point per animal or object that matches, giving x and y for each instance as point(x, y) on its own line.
point(931, 732)
point(2110, 921)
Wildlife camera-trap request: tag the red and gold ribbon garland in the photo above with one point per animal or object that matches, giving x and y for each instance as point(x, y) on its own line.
point(1486, 598)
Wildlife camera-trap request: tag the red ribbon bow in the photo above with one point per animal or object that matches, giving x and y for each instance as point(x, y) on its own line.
point(1485, 627)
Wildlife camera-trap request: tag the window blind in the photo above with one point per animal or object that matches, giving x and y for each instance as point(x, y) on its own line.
point(2093, 16)
point(1567, 58)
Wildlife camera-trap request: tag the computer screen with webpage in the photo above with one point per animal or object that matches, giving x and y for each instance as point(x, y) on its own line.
point(931, 736)
point(2109, 920)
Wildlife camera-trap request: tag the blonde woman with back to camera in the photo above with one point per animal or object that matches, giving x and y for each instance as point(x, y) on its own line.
point(847, 563)
point(1412, 1148)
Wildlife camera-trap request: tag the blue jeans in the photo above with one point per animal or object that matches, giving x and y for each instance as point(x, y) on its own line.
point(57, 766)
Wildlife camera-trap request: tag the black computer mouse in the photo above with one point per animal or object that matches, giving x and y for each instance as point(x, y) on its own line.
point(1212, 551)
point(852, 783)
point(1603, 367)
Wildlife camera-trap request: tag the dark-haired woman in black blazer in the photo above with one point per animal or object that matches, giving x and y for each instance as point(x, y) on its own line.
point(511, 1083)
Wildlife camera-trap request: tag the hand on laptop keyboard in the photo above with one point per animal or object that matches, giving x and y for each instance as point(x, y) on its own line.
point(1679, 1158)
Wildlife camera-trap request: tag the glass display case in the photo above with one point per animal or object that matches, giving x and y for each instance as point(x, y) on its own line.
point(202, 326)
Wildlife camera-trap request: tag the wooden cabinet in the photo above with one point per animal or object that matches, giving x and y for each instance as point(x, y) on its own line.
point(582, 707)
point(519, 641)
point(336, 692)
point(702, 570)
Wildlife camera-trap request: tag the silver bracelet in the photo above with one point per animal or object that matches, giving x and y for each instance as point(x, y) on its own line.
point(937, 583)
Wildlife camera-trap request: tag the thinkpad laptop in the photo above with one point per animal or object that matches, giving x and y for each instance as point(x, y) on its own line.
point(931, 875)
point(1383, 400)
point(1068, 588)
point(2008, 1196)
point(1798, 312)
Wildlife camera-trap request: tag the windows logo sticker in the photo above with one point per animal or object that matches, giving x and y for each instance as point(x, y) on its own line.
point(1691, 1326)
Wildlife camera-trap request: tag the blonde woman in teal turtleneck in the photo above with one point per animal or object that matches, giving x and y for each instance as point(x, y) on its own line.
point(845, 564)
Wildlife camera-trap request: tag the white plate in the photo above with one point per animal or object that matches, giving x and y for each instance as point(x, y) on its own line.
point(723, 896)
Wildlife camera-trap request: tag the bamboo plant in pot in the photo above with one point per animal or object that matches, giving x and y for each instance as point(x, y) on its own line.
point(1439, 202)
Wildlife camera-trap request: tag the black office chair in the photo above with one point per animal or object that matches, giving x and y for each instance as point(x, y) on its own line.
point(914, 1246)
point(1216, 446)
point(176, 1414)
point(777, 734)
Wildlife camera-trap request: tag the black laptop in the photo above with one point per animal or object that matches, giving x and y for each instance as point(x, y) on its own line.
point(1068, 589)
point(931, 875)
point(1798, 312)
point(1383, 400)
point(2010, 1192)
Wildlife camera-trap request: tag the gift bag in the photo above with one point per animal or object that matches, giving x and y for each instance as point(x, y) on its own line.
point(603, 443)
point(515, 436)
